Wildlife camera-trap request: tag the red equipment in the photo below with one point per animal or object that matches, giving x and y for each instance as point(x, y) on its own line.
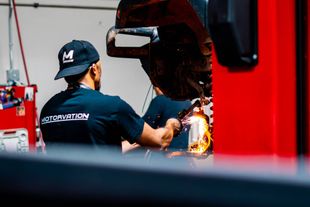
point(18, 120)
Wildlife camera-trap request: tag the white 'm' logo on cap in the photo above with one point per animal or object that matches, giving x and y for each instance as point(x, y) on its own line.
point(68, 58)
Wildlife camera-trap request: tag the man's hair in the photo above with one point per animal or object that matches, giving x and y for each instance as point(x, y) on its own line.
point(75, 78)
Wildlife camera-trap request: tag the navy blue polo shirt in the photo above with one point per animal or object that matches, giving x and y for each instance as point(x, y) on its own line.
point(160, 110)
point(85, 116)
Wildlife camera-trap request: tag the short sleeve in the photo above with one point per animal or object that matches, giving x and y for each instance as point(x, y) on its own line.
point(153, 115)
point(131, 124)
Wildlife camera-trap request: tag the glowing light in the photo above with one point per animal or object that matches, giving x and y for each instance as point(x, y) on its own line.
point(204, 136)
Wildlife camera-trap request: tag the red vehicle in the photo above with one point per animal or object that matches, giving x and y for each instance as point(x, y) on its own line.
point(260, 63)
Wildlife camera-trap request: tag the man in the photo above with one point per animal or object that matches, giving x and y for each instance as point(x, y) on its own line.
point(83, 115)
point(160, 110)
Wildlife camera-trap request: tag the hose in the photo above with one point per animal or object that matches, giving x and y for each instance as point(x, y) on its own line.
point(20, 42)
point(26, 69)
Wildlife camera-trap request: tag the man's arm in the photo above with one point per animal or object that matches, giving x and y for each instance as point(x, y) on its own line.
point(157, 138)
point(150, 137)
point(160, 137)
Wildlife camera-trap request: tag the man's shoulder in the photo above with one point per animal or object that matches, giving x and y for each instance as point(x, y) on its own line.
point(167, 100)
point(104, 97)
point(161, 99)
point(54, 98)
point(101, 100)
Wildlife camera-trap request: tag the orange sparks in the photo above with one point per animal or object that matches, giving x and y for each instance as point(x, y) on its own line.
point(204, 136)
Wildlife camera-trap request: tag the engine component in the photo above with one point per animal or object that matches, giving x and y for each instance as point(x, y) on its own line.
point(178, 57)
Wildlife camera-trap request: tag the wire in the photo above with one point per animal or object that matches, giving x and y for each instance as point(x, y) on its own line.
point(148, 91)
point(152, 94)
point(21, 42)
point(37, 5)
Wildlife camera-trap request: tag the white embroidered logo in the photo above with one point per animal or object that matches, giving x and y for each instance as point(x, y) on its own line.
point(68, 58)
point(65, 117)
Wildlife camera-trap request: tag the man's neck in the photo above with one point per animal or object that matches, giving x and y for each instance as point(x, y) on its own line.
point(84, 85)
point(79, 85)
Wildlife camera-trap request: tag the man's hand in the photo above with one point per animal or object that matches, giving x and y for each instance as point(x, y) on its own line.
point(172, 129)
point(175, 125)
point(126, 146)
point(166, 137)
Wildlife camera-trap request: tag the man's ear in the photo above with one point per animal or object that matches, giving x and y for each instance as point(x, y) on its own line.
point(93, 69)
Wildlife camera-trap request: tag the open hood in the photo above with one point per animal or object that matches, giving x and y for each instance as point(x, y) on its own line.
point(178, 57)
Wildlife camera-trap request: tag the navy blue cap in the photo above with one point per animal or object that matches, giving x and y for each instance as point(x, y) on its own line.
point(75, 57)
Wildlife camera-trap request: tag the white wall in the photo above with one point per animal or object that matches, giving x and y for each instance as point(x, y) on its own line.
point(45, 30)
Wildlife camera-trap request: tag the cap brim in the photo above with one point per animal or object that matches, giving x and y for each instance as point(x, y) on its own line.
point(71, 71)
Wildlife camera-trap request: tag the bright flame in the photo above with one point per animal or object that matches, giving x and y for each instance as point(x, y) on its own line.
point(204, 135)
